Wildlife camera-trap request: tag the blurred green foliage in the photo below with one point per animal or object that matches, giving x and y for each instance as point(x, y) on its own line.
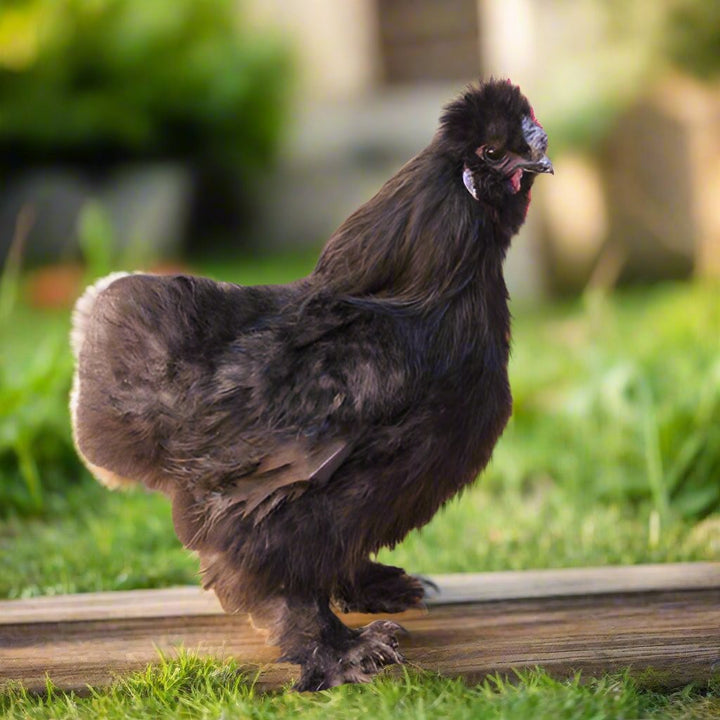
point(619, 401)
point(122, 79)
point(693, 32)
point(36, 452)
point(36, 449)
point(624, 54)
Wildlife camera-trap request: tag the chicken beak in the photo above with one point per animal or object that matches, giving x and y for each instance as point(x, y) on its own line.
point(536, 138)
point(541, 165)
point(538, 162)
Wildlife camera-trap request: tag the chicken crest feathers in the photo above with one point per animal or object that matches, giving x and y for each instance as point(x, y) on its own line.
point(493, 108)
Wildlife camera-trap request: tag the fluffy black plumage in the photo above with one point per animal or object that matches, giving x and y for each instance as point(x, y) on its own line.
point(298, 429)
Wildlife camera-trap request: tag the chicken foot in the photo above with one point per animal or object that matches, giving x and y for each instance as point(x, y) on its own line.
point(329, 652)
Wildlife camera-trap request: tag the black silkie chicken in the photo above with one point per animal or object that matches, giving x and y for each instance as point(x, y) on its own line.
point(298, 429)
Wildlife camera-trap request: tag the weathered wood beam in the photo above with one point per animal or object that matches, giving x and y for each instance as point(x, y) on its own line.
point(662, 621)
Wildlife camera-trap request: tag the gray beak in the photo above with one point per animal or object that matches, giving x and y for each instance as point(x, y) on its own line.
point(541, 165)
point(536, 138)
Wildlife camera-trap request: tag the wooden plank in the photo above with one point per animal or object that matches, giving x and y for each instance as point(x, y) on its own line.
point(668, 636)
point(567, 582)
point(455, 588)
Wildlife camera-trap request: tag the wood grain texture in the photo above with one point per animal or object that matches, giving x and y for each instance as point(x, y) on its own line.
point(661, 621)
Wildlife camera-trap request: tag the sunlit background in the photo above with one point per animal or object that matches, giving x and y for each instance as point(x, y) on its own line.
point(211, 125)
point(231, 138)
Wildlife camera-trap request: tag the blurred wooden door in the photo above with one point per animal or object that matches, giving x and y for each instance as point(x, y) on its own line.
point(428, 40)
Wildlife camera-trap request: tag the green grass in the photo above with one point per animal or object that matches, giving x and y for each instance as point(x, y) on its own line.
point(612, 456)
point(91, 539)
point(191, 687)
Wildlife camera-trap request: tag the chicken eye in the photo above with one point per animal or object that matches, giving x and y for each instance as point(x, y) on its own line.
point(493, 154)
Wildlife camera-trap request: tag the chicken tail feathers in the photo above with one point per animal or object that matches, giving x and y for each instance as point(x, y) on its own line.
point(144, 404)
point(82, 313)
point(83, 310)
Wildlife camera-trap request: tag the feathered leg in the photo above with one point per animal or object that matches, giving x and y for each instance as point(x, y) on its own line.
point(377, 588)
point(303, 626)
point(329, 652)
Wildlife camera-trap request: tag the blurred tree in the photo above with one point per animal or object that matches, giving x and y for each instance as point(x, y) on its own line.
point(95, 84)
point(97, 80)
point(693, 32)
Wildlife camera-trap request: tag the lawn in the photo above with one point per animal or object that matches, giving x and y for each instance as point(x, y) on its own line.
point(612, 456)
